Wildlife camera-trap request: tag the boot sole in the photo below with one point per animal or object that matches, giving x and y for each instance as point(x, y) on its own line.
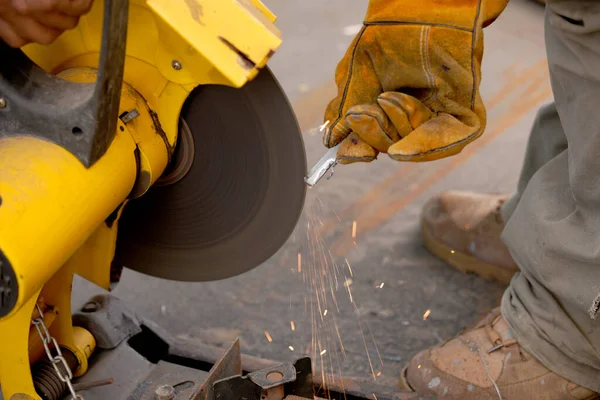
point(464, 262)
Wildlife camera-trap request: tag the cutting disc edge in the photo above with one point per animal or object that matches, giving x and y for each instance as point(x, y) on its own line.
point(239, 202)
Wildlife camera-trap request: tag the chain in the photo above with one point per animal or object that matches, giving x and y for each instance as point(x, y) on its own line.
point(57, 360)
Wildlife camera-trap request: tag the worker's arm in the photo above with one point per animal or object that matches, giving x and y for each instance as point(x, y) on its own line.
point(409, 83)
point(39, 21)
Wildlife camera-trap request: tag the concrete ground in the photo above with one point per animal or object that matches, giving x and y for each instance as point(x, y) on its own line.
point(375, 314)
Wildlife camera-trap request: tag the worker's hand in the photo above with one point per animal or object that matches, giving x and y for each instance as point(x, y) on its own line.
point(409, 83)
point(39, 21)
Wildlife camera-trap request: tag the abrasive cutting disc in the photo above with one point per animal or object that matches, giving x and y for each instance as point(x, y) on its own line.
point(241, 197)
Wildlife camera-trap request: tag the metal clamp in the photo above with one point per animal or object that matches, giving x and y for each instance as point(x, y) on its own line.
point(274, 383)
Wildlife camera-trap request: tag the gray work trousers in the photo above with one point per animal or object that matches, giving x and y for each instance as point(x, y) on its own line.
point(553, 223)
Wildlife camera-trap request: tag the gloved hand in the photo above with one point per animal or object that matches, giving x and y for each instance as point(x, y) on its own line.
point(409, 83)
point(39, 21)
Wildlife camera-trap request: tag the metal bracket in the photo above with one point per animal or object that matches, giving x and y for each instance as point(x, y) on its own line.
point(107, 318)
point(82, 118)
point(274, 383)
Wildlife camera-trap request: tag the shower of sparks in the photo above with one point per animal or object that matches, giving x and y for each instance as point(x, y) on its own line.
point(338, 218)
point(365, 342)
point(349, 267)
point(325, 277)
point(348, 283)
point(337, 331)
point(291, 348)
point(426, 315)
point(381, 286)
point(269, 338)
point(325, 125)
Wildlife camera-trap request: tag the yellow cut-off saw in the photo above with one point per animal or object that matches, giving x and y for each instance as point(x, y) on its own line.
point(152, 137)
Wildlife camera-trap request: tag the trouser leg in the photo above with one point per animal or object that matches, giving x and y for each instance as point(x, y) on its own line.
point(546, 140)
point(554, 231)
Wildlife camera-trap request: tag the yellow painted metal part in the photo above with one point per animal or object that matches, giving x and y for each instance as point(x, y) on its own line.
point(263, 9)
point(36, 347)
point(85, 343)
point(51, 203)
point(93, 259)
point(15, 371)
point(20, 345)
point(214, 41)
point(81, 342)
point(153, 147)
point(53, 209)
point(53, 223)
point(57, 294)
point(84, 340)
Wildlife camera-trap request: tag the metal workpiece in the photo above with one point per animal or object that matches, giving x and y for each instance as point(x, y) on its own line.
point(230, 364)
point(326, 164)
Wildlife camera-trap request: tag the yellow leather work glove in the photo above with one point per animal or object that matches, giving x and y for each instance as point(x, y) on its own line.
point(409, 83)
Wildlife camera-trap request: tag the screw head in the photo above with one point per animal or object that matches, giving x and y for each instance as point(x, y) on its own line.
point(2, 103)
point(90, 307)
point(176, 65)
point(165, 392)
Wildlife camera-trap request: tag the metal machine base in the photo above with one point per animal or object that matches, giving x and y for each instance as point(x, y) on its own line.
point(144, 362)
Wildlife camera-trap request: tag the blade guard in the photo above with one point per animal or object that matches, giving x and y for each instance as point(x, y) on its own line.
point(173, 46)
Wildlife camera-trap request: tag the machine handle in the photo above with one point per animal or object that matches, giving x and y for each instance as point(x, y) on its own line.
point(82, 118)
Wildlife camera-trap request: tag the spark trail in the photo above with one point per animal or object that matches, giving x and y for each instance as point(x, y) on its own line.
point(328, 288)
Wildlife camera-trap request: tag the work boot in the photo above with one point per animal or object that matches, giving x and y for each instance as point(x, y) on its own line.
point(487, 363)
point(464, 230)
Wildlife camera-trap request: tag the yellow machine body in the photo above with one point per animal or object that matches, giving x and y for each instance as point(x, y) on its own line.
point(172, 47)
point(53, 213)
